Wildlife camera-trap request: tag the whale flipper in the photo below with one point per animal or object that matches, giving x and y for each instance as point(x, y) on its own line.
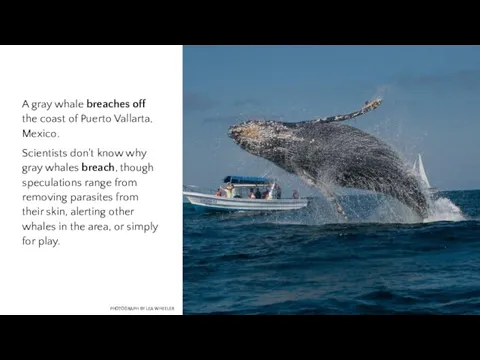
point(369, 106)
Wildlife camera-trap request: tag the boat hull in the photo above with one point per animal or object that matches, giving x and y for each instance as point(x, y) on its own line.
point(217, 203)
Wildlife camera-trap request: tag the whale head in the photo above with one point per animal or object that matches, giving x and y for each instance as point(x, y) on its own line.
point(265, 138)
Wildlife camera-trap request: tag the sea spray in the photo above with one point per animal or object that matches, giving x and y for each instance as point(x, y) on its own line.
point(443, 209)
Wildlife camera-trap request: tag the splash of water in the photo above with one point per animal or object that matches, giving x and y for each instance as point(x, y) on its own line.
point(443, 209)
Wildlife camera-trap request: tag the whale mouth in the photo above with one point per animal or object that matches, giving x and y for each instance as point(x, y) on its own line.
point(234, 133)
point(247, 130)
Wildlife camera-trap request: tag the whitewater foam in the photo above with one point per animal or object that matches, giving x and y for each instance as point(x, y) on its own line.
point(443, 209)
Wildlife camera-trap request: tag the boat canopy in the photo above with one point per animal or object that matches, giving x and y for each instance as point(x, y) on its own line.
point(244, 180)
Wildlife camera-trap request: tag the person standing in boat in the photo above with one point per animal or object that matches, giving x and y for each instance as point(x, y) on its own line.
point(229, 190)
point(266, 195)
point(278, 191)
point(295, 194)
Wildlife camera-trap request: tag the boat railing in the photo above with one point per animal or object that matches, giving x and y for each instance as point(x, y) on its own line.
point(199, 189)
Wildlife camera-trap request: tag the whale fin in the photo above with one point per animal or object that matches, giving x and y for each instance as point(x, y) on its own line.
point(369, 106)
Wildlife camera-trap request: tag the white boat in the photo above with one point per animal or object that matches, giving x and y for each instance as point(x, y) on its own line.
point(419, 170)
point(240, 201)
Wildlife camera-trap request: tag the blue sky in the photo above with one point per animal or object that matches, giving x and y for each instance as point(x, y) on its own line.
point(430, 104)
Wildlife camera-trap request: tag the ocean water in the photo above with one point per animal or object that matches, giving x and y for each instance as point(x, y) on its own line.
point(383, 261)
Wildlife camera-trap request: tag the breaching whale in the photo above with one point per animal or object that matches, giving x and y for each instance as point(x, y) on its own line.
point(325, 153)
